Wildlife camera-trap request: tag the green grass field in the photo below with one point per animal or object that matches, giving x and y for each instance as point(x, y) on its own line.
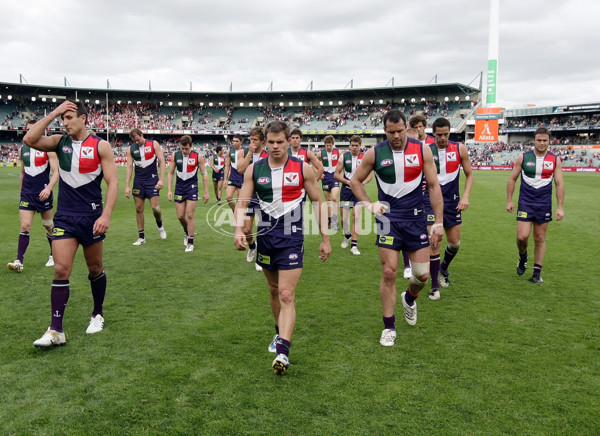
point(184, 349)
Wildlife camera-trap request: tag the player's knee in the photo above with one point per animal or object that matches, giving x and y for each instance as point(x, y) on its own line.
point(95, 269)
point(229, 196)
point(453, 247)
point(139, 209)
point(420, 272)
point(61, 271)
point(25, 227)
point(388, 273)
point(286, 296)
point(48, 224)
point(156, 210)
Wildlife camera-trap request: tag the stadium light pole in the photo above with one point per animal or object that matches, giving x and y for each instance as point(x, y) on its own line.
point(492, 74)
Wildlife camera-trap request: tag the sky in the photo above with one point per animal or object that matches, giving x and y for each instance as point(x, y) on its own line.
point(547, 48)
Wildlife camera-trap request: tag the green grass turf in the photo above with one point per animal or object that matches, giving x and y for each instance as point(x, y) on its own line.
point(184, 349)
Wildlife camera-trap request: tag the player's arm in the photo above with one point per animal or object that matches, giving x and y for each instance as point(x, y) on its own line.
point(338, 174)
point(313, 192)
point(22, 172)
point(244, 161)
point(512, 182)
point(465, 161)
point(358, 188)
point(239, 213)
point(109, 169)
point(161, 165)
point(53, 162)
point(35, 135)
point(316, 163)
point(227, 167)
point(170, 177)
point(128, 173)
point(212, 162)
point(560, 189)
point(435, 197)
point(204, 174)
point(320, 159)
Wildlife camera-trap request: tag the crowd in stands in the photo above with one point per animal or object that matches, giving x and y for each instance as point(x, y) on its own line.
point(583, 121)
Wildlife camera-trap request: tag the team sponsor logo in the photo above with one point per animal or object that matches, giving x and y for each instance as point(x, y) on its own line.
point(136, 191)
point(263, 180)
point(67, 149)
point(386, 162)
point(548, 165)
point(411, 160)
point(530, 164)
point(87, 152)
point(264, 259)
point(291, 179)
point(147, 149)
point(386, 240)
point(293, 256)
point(521, 214)
point(58, 232)
point(179, 198)
point(24, 204)
point(431, 217)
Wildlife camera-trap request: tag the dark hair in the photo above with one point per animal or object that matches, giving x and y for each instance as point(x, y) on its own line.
point(416, 119)
point(440, 122)
point(329, 139)
point(542, 130)
point(31, 121)
point(394, 116)
point(356, 138)
point(296, 132)
point(238, 136)
point(218, 149)
point(278, 127)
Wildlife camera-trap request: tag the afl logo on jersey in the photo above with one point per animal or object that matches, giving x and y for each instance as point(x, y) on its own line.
point(66, 149)
point(530, 164)
point(386, 162)
point(263, 180)
point(293, 256)
point(26, 154)
point(179, 160)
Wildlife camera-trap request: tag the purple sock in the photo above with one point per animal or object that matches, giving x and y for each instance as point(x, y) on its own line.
point(283, 347)
point(58, 299)
point(252, 246)
point(389, 322)
point(98, 285)
point(190, 240)
point(141, 234)
point(277, 329)
point(410, 298)
point(537, 269)
point(49, 236)
point(23, 244)
point(406, 259)
point(434, 269)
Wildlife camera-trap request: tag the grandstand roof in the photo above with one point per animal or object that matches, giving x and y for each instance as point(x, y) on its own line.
point(429, 91)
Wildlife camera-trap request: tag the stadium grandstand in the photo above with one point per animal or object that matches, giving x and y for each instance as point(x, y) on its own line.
point(212, 118)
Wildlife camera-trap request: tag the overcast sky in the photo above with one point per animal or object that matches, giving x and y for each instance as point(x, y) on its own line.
point(548, 50)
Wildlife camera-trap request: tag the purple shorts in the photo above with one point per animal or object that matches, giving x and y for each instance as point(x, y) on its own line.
point(276, 253)
point(33, 202)
point(76, 227)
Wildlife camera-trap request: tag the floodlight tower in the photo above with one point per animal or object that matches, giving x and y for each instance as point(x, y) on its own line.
point(492, 75)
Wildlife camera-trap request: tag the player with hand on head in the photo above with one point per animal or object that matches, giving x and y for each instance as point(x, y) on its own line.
point(81, 217)
point(217, 163)
point(329, 158)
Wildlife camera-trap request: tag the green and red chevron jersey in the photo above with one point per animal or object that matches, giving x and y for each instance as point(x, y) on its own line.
point(351, 163)
point(398, 175)
point(233, 156)
point(144, 159)
point(218, 161)
point(280, 193)
point(80, 190)
point(301, 154)
point(447, 162)
point(537, 174)
point(330, 160)
point(36, 170)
